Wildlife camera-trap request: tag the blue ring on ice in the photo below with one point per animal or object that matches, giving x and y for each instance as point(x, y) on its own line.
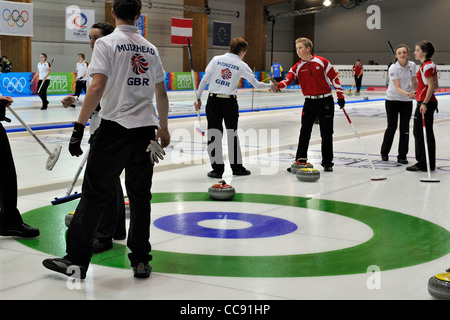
point(261, 226)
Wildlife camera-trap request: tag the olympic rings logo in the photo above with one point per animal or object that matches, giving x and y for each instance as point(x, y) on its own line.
point(14, 84)
point(15, 18)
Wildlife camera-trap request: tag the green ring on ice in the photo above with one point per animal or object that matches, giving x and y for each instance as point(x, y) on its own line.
point(399, 240)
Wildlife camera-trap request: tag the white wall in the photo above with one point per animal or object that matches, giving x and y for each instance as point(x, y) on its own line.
point(340, 35)
point(49, 32)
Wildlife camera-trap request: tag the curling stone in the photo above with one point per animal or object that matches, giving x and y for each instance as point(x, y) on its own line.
point(221, 191)
point(439, 286)
point(299, 164)
point(308, 174)
point(69, 218)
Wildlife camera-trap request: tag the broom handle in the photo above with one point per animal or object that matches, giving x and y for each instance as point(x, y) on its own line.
point(77, 174)
point(359, 140)
point(30, 131)
point(426, 144)
point(192, 69)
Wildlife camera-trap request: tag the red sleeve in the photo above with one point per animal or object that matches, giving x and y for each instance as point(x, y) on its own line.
point(290, 77)
point(429, 73)
point(333, 77)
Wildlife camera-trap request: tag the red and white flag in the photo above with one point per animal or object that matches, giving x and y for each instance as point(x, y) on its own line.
point(181, 29)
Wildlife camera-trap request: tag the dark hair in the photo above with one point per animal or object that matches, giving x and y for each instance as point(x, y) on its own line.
point(105, 27)
point(238, 45)
point(127, 10)
point(426, 46)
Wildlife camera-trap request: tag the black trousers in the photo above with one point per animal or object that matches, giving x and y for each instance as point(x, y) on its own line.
point(112, 224)
point(358, 82)
point(9, 214)
point(43, 92)
point(419, 138)
point(80, 85)
point(114, 149)
point(394, 109)
point(323, 109)
point(219, 110)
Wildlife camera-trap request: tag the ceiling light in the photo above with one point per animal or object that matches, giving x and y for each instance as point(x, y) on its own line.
point(327, 3)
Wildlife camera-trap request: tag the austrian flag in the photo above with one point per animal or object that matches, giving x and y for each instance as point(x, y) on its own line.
point(181, 29)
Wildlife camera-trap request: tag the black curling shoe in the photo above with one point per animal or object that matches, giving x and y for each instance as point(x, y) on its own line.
point(24, 231)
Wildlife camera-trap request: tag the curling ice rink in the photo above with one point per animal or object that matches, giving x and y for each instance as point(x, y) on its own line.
point(352, 238)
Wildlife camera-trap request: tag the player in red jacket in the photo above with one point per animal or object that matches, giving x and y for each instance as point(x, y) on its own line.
point(316, 76)
point(357, 73)
point(427, 105)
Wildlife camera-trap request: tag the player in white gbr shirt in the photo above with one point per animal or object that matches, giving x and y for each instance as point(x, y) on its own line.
point(223, 74)
point(126, 73)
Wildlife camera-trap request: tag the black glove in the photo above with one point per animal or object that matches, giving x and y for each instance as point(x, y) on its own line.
point(75, 140)
point(341, 103)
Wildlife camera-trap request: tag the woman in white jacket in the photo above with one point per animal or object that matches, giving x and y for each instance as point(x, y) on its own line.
point(43, 75)
point(399, 101)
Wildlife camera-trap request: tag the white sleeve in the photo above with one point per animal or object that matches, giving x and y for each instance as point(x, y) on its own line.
point(101, 61)
point(250, 76)
point(393, 72)
point(206, 78)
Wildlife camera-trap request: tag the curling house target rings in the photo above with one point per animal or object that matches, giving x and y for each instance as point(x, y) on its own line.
point(392, 245)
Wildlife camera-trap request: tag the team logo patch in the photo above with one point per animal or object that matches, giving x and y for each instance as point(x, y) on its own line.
point(140, 65)
point(226, 74)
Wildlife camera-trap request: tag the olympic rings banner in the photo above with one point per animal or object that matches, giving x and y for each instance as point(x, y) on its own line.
point(16, 19)
point(18, 84)
point(15, 84)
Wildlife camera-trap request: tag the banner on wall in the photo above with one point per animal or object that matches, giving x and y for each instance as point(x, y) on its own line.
point(16, 19)
point(142, 25)
point(62, 83)
point(78, 23)
point(15, 84)
point(179, 81)
point(221, 34)
point(180, 30)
